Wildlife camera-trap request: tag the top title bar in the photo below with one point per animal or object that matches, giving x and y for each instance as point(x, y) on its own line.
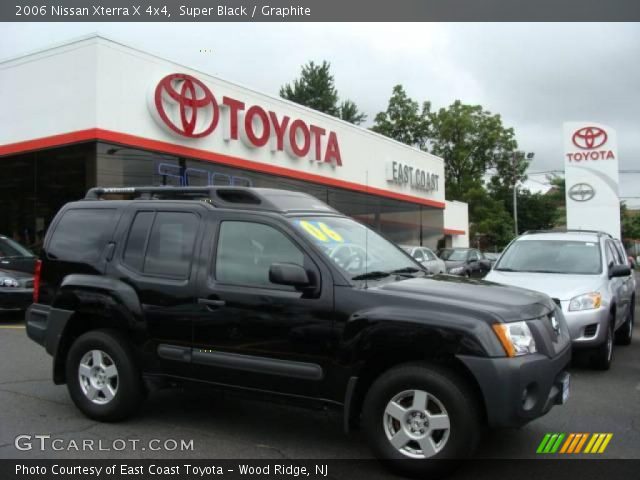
point(319, 11)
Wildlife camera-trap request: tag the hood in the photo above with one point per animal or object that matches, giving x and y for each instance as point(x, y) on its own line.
point(556, 285)
point(446, 292)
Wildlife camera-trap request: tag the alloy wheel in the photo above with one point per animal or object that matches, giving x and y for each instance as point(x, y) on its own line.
point(416, 424)
point(98, 377)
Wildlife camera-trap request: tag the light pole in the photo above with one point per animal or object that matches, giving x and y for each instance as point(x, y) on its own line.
point(516, 155)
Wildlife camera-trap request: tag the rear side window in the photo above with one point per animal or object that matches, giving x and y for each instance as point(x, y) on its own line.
point(82, 234)
point(162, 243)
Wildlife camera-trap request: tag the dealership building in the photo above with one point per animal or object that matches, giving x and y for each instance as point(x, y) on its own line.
point(94, 112)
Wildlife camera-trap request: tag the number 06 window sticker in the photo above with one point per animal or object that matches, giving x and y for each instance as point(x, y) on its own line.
point(321, 231)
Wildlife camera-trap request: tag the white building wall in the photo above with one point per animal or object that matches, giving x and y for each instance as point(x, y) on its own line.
point(456, 223)
point(49, 93)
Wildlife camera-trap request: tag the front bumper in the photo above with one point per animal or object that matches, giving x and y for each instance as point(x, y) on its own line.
point(588, 328)
point(15, 299)
point(518, 390)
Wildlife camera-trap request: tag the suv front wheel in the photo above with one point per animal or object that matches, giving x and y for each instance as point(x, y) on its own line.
point(603, 355)
point(415, 413)
point(102, 377)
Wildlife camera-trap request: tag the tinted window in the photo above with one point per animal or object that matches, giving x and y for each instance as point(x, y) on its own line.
point(171, 243)
point(82, 234)
point(612, 254)
point(247, 250)
point(11, 248)
point(473, 256)
point(417, 254)
point(428, 254)
point(552, 256)
point(137, 241)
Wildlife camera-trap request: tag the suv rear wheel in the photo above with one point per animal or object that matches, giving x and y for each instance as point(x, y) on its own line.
point(415, 413)
point(102, 376)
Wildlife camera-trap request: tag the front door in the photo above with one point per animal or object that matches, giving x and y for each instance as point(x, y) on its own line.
point(251, 332)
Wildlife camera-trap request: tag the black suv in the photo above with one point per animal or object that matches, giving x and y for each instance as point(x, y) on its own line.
point(273, 291)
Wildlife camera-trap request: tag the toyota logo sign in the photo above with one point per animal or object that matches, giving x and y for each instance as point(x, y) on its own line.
point(587, 138)
point(581, 192)
point(186, 105)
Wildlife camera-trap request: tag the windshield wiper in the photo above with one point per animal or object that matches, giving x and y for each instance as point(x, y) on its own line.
point(506, 270)
point(407, 270)
point(371, 275)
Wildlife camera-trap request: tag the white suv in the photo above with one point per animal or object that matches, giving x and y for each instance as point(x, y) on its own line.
point(586, 274)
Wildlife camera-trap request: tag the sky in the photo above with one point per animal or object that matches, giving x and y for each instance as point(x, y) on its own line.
point(535, 75)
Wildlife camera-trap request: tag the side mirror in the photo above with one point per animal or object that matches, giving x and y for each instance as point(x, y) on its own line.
point(619, 271)
point(288, 274)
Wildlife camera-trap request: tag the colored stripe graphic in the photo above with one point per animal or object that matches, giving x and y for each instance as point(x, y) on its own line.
point(572, 443)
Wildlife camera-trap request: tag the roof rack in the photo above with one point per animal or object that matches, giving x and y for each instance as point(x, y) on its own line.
point(568, 230)
point(220, 196)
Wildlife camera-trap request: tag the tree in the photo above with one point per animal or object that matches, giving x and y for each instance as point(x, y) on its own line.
point(490, 223)
point(557, 196)
point(630, 223)
point(536, 211)
point(349, 113)
point(473, 141)
point(404, 120)
point(316, 89)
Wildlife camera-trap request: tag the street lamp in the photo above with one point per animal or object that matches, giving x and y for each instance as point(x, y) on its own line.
point(528, 158)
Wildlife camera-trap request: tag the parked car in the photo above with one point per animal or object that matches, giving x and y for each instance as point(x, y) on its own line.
point(427, 258)
point(466, 262)
point(270, 291)
point(16, 257)
point(491, 256)
point(585, 273)
point(16, 276)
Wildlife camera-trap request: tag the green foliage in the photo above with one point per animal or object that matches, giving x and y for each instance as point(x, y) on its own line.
point(472, 141)
point(536, 211)
point(349, 113)
point(491, 225)
point(630, 222)
point(316, 89)
point(404, 120)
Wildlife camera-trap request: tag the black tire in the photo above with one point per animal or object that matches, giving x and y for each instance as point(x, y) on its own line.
point(453, 393)
point(602, 355)
point(129, 388)
point(625, 332)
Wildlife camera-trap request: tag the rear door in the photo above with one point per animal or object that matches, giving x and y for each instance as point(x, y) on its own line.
point(156, 256)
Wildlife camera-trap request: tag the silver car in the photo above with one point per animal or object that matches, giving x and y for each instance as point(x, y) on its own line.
point(585, 273)
point(427, 258)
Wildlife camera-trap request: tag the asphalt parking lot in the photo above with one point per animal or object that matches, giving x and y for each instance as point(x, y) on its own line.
point(242, 428)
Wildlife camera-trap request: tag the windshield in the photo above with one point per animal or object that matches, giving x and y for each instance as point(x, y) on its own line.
point(453, 255)
point(356, 249)
point(10, 248)
point(552, 256)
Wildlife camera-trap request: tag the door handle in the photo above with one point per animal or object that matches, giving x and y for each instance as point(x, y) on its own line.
point(211, 304)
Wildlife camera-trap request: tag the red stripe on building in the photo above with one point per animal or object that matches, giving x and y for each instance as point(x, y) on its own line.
point(453, 231)
point(180, 150)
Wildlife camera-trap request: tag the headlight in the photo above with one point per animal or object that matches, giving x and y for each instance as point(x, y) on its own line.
point(456, 270)
point(588, 301)
point(516, 338)
point(8, 282)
